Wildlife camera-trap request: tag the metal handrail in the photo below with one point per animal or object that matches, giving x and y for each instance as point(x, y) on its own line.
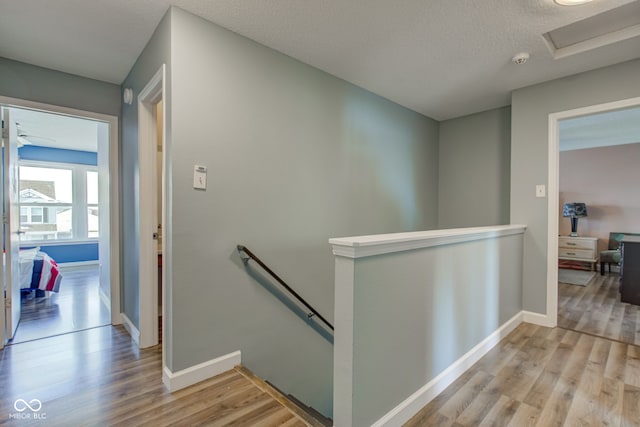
point(250, 255)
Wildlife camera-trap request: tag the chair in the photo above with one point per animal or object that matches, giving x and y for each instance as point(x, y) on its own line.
point(611, 255)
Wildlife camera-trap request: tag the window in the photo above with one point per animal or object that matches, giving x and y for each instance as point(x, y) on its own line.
point(53, 198)
point(92, 203)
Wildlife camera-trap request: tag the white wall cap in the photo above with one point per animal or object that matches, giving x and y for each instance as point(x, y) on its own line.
point(364, 246)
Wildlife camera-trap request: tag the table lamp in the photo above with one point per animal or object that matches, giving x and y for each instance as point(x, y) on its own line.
point(574, 211)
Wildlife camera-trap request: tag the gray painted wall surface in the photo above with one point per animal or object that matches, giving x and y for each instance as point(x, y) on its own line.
point(474, 165)
point(530, 111)
point(24, 81)
point(294, 156)
point(156, 53)
point(417, 312)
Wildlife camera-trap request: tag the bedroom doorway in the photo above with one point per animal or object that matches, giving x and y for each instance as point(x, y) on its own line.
point(554, 122)
point(67, 216)
point(597, 159)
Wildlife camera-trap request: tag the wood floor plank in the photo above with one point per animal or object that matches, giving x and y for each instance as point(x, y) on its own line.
point(525, 416)
point(616, 361)
point(463, 398)
point(501, 413)
point(610, 402)
point(632, 369)
point(542, 388)
point(631, 406)
point(101, 378)
point(75, 307)
point(429, 414)
point(557, 406)
point(596, 309)
point(569, 378)
point(585, 408)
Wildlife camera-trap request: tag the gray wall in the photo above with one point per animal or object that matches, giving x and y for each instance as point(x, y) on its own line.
point(24, 81)
point(156, 53)
point(294, 156)
point(474, 165)
point(530, 111)
point(417, 312)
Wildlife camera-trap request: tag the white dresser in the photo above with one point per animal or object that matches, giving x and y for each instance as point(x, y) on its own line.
point(583, 249)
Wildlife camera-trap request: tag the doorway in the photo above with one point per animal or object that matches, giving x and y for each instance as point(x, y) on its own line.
point(65, 211)
point(155, 255)
point(597, 166)
point(590, 318)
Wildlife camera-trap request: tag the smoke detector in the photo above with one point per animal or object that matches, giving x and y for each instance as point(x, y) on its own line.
point(520, 58)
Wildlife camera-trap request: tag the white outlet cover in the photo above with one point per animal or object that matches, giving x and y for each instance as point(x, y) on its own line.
point(541, 190)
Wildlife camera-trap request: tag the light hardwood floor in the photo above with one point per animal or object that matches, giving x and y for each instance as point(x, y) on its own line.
point(543, 377)
point(76, 307)
point(596, 309)
point(98, 377)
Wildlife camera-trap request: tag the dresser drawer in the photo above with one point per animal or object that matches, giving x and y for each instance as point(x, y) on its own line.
point(565, 242)
point(576, 253)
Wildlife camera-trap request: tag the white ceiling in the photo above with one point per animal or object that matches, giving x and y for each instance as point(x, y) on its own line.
point(601, 130)
point(54, 130)
point(443, 58)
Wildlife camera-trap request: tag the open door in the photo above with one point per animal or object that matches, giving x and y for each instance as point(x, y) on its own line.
point(11, 224)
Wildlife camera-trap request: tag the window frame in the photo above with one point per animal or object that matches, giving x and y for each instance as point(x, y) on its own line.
point(78, 205)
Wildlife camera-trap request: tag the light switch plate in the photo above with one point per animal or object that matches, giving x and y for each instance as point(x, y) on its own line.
point(541, 190)
point(200, 177)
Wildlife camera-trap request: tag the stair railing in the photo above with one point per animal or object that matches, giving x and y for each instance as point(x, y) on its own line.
point(247, 255)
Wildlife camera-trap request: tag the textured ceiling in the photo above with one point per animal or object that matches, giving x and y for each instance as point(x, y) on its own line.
point(441, 58)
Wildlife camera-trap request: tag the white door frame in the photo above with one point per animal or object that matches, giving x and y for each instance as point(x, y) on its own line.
point(114, 188)
point(152, 93)
point(554, 194)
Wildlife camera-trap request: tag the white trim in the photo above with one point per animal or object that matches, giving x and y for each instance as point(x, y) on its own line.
point(74, 264)
point(114, 177)
point(70, 242)
point(148, 193)
point(184, 378)
point(130, 327)
point(551, 317)
point(592, 43)
point(364, 246)
point(538, 319)
point(104, 298)
point(418, 400)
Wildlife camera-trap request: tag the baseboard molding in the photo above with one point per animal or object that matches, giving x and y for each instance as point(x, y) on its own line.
point(184, 378)
point(76, 264)
point(131, 328)
point(418, 400)
point(537, 319)
point(104, 298)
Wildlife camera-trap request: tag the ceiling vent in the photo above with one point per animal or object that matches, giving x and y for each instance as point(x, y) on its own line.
point(612, 26)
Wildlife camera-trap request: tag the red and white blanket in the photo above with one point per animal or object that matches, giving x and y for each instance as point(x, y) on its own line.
point(50, 277)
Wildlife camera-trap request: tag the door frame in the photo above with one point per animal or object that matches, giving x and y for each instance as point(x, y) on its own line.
point(114, 188)
point(153, 92)
point(554, 193)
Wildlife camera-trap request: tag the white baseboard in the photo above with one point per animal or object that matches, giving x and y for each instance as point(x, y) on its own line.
point(131, 328)
point(184, 378)
point(104, 298)
point(418, 400)
point(537, 319)
point(77, 264)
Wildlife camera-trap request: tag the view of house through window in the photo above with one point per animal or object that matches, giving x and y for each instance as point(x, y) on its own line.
point(53, 199)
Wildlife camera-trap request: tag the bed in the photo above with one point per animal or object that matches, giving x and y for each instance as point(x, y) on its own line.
point(38, 271)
